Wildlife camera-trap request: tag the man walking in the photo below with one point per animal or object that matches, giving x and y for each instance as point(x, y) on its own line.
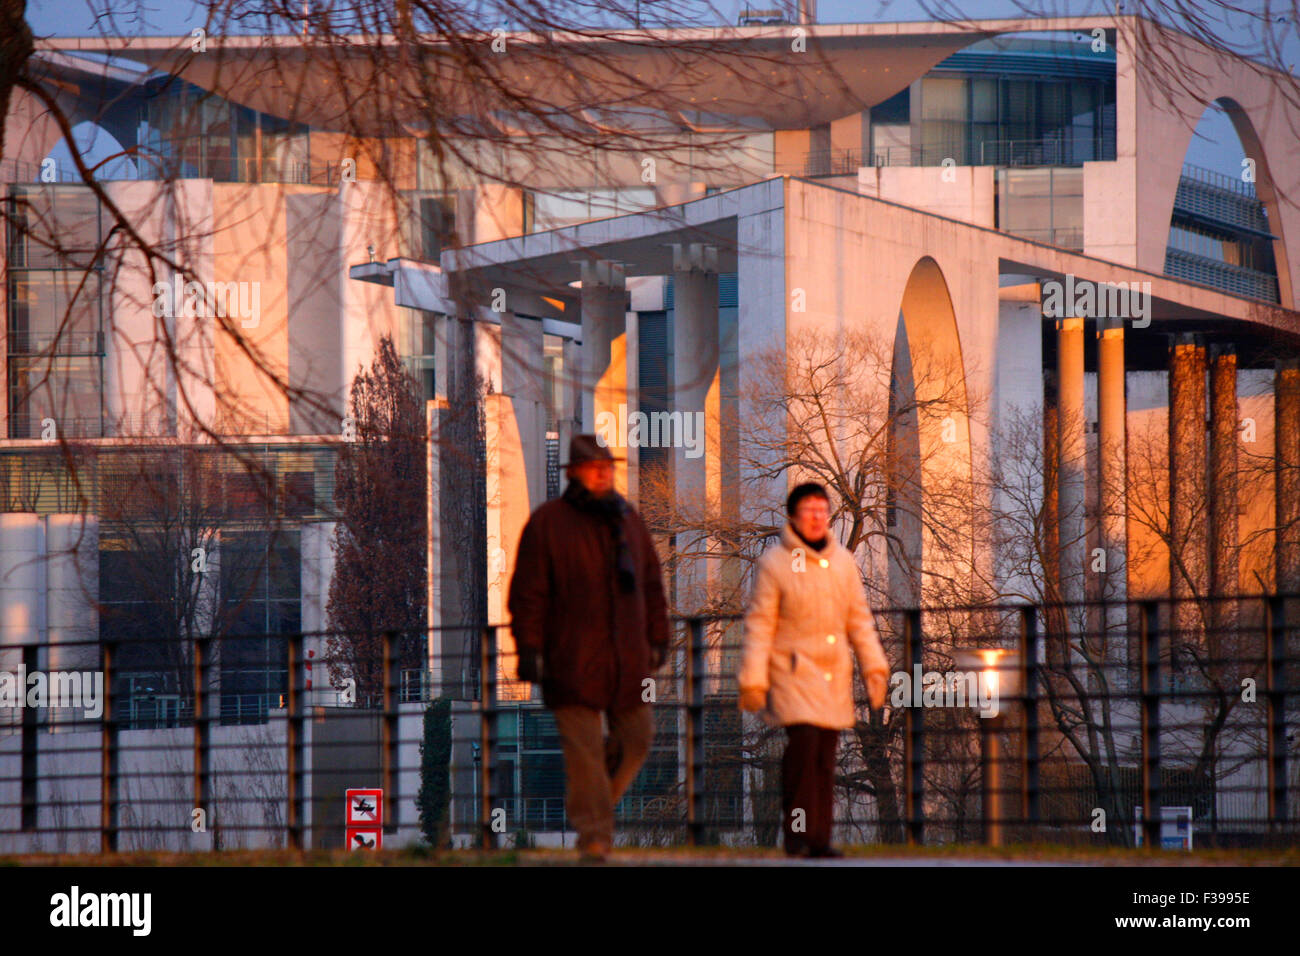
point(590, 620)
point(808, 606)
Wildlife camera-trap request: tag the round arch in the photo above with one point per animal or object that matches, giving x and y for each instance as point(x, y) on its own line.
point(930, 446)
point(1265, 188)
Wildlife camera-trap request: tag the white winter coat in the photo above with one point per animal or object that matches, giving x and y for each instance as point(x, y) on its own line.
point(808, 606)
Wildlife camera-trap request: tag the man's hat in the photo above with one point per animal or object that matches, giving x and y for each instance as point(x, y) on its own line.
point(585, 448)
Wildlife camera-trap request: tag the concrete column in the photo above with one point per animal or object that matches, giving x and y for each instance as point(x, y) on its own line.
point(697, 396)
point(1224, 579)
point(1188, 528)
point(317, 569)
point(606, 347)
point(1112, 479)
point(1071, 460)
point(507, 495)
point(523, 379)
point(1286, 439)
point(454, 578)
point(435, 587)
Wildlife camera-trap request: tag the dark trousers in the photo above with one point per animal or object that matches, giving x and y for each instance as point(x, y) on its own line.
point(808, 785)
point(598, 769)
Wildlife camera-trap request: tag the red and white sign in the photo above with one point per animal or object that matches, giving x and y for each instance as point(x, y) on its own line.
point(361, 838)
point(365, 819)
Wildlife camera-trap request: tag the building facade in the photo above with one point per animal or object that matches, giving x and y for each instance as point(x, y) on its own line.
point(1008, 203)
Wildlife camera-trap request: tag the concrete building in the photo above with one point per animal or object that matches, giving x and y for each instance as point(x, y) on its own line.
point(1005, 205)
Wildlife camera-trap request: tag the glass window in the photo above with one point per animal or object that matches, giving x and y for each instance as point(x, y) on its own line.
point(261, 596)
point(553, 356)
point(566, 207)
point(943, 120)
point(66, 391)
point(1043, 204)
point(636, 199)
point(437, 225)
point(54, 312)
point(53, 227)
point(984, 101)
point(555, 209)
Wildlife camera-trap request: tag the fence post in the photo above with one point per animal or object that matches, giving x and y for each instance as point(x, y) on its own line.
point(695, 758)
point(203, 789)
point(1151, 810)
point(487, 732)
point(108, 757)
point(914, 735)
point(29, 769)
point(1030, 808)
point(295, 745)
point(991, 779)
point(389, 733)
point(1275, 696)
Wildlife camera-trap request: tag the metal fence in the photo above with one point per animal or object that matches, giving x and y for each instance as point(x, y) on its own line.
point(1070, 721)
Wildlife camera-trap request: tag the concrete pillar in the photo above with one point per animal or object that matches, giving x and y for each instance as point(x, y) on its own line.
point(606, 348)
point(1112, 480)
point(697, 396)
point(1224, 577)
point(453, 572)
point(316, 571)
point(435, 587)
point(72, 590)
point(523, 379)
point(1071, 461)
point(1286, 438)
point(1188, 528)
point(507, 513)
point(509, 358)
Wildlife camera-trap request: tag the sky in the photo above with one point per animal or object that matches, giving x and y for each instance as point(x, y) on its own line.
point(1214, 146)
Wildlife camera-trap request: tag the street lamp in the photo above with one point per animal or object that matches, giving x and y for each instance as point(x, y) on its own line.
point(997, 672)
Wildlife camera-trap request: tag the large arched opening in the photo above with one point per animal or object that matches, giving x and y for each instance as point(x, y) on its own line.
point(1225, 229)
point(929, 508)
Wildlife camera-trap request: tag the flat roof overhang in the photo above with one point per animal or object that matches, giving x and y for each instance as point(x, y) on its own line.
point(746, 72)
point(546, 263)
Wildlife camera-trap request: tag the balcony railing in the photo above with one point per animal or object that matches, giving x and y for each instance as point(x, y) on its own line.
point(260, 171)
point(1212, 199)
point(1048, 151)
point(1221, 275)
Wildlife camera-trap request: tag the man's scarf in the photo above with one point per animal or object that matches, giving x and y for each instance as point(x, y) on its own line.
point(610, 508)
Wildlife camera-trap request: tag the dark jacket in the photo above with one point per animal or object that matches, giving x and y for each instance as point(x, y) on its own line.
point(566, 601)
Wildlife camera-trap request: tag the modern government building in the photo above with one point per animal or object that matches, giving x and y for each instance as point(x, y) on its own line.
point(1007, 205)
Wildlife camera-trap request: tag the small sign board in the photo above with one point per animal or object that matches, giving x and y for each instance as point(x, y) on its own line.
point(365, 819)
point(362, 838)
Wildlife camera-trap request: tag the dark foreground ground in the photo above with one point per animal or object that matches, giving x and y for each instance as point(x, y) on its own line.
point(874, 856)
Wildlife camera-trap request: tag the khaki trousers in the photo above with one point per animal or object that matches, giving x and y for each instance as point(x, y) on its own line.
point(598, 770)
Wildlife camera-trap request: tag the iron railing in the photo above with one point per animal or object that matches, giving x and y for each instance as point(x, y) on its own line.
point(1189, 704)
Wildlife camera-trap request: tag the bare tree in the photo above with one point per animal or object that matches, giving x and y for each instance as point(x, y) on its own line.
point(379, 578)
